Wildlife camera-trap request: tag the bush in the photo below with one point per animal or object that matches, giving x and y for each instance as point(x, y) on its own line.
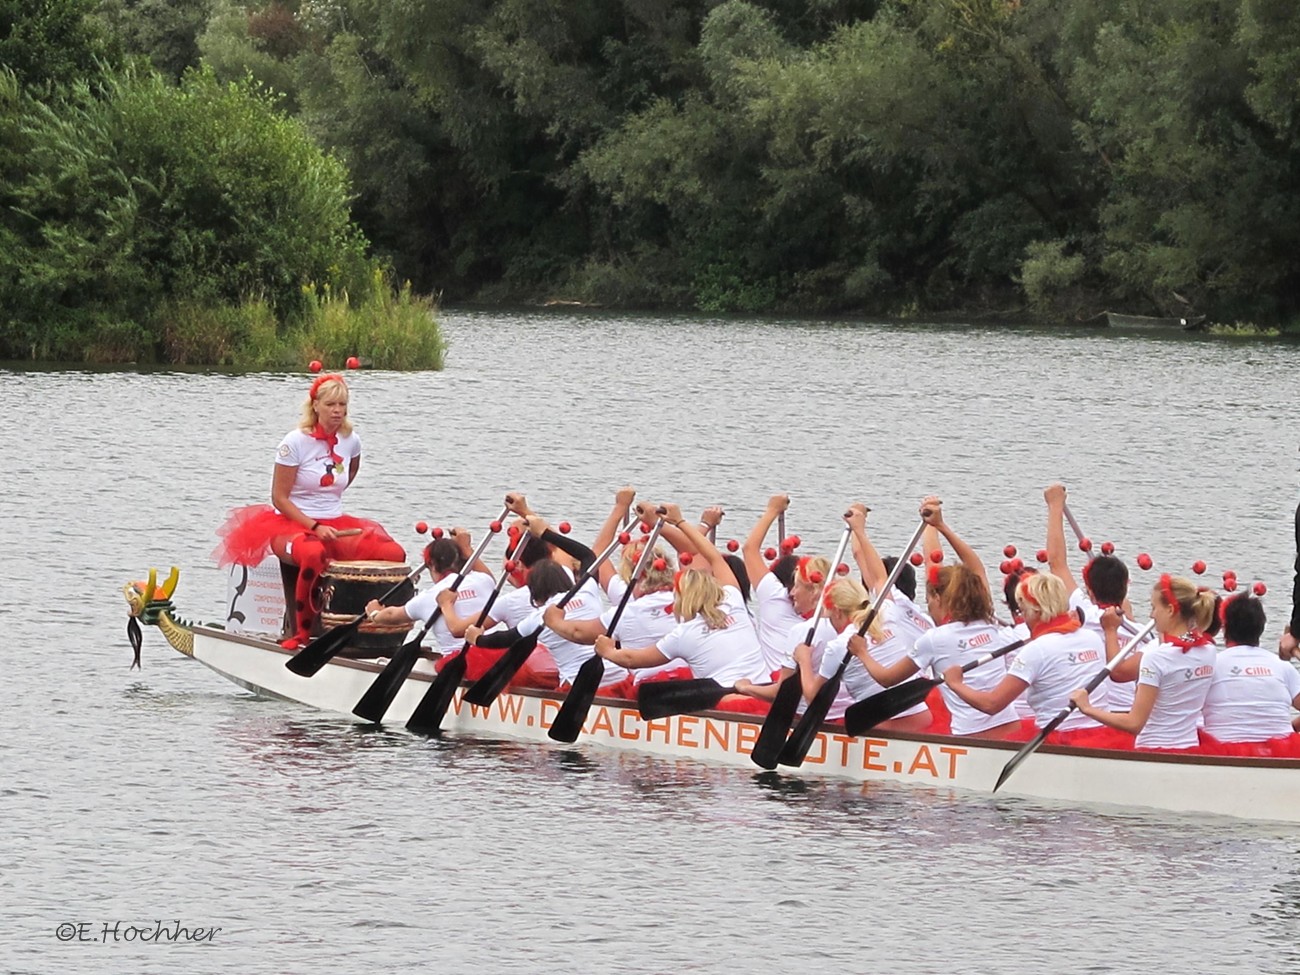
point(1048, 272)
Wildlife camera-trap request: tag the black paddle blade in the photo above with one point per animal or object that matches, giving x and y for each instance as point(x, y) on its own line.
point(486, 689)
point(771, 739)
point(1030, 748)
point(660, 698)
point(573, 712)
point(801, 739)
point(428, 714)
point(870, 711)
point(375, 701)
point(321, 650)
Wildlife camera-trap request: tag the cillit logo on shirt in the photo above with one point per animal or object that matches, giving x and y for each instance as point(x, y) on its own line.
point(1197, 673)
point(1084, 657)
point(975, 642)
point(1256, 671)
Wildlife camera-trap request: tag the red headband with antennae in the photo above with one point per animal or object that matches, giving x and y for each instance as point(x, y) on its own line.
point(321, 380)
point(1167, 590)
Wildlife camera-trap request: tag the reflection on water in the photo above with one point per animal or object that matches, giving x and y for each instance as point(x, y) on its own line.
point(319, 843)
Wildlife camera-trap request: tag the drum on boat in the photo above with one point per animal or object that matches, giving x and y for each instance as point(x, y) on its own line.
point(342, 594)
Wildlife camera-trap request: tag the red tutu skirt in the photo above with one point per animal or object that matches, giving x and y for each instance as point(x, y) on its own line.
point(679, 673)
point(537, 671)
point(740, 704)
point(247, 533)
point(1099, 737)
point(941, 717)
point(622, 689)
point(1285, 746)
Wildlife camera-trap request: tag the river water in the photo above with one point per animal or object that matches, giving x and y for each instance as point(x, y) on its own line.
point(168, 795)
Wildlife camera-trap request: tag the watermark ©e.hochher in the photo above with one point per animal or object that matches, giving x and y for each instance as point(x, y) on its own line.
point(145, 932)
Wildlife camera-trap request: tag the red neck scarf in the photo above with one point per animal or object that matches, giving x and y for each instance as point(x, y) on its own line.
point(1192, 638)
point(331, 441)
point(1065, 623)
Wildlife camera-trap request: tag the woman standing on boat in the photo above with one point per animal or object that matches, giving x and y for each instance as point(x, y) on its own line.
point(959, 601)
point(305, 525)
point(1173, 675)
point(1252, 693)
point(714, 633)
point(1061, 654)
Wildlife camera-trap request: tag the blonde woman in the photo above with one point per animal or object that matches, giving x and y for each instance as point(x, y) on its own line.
point(1060, 655)
point(713, 633)
point(314, 464)
point(848, 604)
point(1173, 676)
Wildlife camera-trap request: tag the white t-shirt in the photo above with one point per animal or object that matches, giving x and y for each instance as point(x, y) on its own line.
point(960, 643)
point(1119, 693)
point(728, 654)
point(822, 637)
point(775, 615)
point(512, 608)
point(312, 458)
point(1182, 681)
point(897, 640)
point(471, 597)
point(1055, 665)
point(645, 621)
point(570, 656)
point(1019, 631)
point(1250, 695)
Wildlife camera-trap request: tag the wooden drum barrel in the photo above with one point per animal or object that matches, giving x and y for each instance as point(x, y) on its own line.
point(342, 594)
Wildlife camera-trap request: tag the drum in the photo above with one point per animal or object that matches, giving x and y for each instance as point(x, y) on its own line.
point(342, 594)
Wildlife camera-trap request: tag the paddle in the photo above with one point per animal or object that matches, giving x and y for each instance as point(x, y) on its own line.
point(1092, 685)
point(375, 701)
point(796, 748)
point(883, 705)
point(321, 650)
point(573, 712)
point(1085, 542)
point(428, 714)
point(660, 698)
point(486, 689)
point(771, 738)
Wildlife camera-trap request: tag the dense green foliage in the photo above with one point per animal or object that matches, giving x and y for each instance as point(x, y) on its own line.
point(834, 155)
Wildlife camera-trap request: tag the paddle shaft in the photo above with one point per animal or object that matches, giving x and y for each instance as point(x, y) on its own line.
point(1064, 713)
point(1078, 532)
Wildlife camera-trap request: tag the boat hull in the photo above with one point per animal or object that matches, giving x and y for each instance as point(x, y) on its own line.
point(1260, 789)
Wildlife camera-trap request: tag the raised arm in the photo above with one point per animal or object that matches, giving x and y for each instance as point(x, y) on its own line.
point(752, 550)
point(1054, 495)
point(932, 514)
point(722, 573)
point(613, 522)
point(869, 561)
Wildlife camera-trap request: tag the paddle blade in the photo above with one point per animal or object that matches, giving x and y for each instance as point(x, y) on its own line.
point(1031, 746)
point(374, 703)
point(321, 650)
point(486, 689)
point(660, 698)
point(801, 739)
point(870, 711)
point(428, 714)
point(573, 712)
point(771, 739)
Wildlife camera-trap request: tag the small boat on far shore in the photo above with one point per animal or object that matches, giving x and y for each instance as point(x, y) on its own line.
point(1118, 320)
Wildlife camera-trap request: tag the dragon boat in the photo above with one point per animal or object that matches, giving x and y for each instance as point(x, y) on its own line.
point(1248, 788)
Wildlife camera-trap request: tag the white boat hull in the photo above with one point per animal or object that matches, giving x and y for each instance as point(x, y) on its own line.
point(1260, 789)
